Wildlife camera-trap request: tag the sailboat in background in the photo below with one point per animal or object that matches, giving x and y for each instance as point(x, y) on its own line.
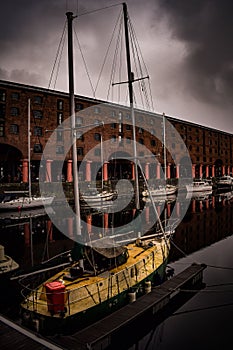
point(12, 200)
point(107, 273)
point(167, 189)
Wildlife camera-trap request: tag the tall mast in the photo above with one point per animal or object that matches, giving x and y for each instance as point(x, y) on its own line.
point(164, 150)
point(130, 87)
point(29, 150)
point(70, 18)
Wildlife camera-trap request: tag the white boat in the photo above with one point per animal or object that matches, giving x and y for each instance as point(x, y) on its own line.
point(199, 186)
point(92, 195)
point(15, 201)
point(7, 264)
point(167, 189)
point(160, 191)
point(225, 181)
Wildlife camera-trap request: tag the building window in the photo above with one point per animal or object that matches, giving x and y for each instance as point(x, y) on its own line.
point(128, 117)
point(14, 111)
point(2, 110)
point(97, 152)
point(59, 135)
point(59, 149)
point(97, 136)
point(140, 118)
point(141, 141)
point(59, 118)
point(153, 132)
point(151, 122)
point(97, 110)
point(14, 129)
point(140, 130)
point(2, 129)
point(37, 131)
point(173, 145)
point(37, 148)
point(2, 95)
point(78, 106)
point(113, 114)
point(79, 136)
point(80, 151)
point(37, 114)
point(153, 143)
point(128, 140)
point(113, 138)
point(38, 100)
point(60, 105)
point(78, 121)
point(128, 127)
point(15, 96)
point(113, 125)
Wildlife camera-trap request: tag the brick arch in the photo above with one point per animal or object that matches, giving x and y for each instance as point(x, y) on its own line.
point(10, 161)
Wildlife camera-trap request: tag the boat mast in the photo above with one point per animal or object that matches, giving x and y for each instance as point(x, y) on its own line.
point(70, 18)
point(29, 150)
point(164, 150)
point(130, 87)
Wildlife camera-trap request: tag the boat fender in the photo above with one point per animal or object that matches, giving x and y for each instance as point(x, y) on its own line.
point(147, 287)
point(132, 297)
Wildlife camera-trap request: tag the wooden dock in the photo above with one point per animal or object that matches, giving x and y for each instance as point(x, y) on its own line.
point(113, 331)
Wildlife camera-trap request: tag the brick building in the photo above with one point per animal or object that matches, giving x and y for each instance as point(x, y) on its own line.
point(210, 150)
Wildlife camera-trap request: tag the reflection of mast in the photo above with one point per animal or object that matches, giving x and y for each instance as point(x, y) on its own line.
point(130, 87)
point(29, 150)
point(164, 150)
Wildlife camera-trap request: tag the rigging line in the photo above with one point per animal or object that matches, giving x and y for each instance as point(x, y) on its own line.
point(100, 9)
point(113, 68)
point(57, 54)
point(105, 58)
point(144, 64)
point(85, 64)
point(180, 250)
point(59, 63)
point(120, 63)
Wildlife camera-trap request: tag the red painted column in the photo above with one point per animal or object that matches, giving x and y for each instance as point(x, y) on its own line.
point(178, 209)
point(50, 230)
point(27, 234)
point(178, 171)
point(70, 227)
point(88, 170)
point(106, 221)
point(69, 171)
point(193, 206)
point(147, 171)
point(48, 177)
point(158, 171)
point(213, 170)
point(229, 170)
point(89, 224)
point(201, 172)
point(168, 171)
point(133, 171)
point(169, 209)
point(25, 170)
point(193, 170)
point(105, 170)
point(207, 171)
point(223, 170)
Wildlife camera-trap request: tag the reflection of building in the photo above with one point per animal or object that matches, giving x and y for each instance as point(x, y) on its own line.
point(206, 222)
point(211, 151)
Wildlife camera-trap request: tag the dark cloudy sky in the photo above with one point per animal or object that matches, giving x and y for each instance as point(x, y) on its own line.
point(186, 45)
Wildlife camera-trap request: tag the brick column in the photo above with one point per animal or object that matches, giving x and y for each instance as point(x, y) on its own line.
point(207, 171)
point(89, 224)
point(69, 177)
point(223, 170)
point(88, 170)
point(25, 170)
point(48, 175)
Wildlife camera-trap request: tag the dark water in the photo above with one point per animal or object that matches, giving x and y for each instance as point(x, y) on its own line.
point(204, 235)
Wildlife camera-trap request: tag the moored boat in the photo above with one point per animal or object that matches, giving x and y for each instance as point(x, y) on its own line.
point(7, 264)
point(199, 186)
point(225, 181)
